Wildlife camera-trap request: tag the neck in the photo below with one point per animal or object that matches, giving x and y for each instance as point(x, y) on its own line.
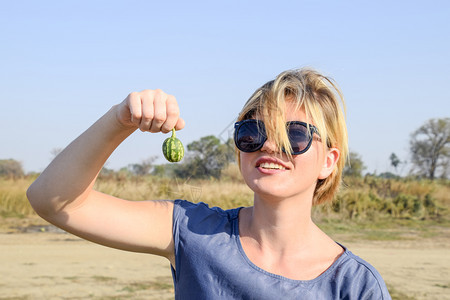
point(284, 226)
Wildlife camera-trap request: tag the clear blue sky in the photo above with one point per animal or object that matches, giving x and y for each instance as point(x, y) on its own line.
point(64, 63)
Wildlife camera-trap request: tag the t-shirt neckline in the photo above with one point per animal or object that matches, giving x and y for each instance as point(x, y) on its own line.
point(326, 273)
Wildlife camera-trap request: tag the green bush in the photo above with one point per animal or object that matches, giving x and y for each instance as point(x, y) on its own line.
point(372, 198)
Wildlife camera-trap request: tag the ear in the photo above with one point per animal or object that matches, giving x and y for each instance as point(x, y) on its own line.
point(331, 159)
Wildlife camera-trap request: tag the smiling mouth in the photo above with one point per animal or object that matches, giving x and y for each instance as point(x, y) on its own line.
point(272, 166)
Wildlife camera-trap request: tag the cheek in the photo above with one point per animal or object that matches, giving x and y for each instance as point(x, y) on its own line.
point(246, 169)
point(244, 162)
point(309, 163)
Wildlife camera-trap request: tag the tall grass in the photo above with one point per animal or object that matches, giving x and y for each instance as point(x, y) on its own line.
point(13, 200)
point(373, 198)
point(362, 199)
point(224, 193)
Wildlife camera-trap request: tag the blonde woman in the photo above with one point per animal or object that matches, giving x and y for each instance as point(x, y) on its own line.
point(291, 144)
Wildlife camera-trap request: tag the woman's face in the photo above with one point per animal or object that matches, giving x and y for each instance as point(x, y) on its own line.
point(270, 173)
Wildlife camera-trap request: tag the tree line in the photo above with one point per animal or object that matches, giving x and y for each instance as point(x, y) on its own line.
point(207, 157)
point(429, 147)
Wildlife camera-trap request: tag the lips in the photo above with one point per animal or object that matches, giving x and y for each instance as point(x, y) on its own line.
point(270, 164)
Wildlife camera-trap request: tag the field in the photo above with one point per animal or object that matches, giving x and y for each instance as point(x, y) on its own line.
point(399, 226)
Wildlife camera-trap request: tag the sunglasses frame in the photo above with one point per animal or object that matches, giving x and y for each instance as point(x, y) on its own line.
point(262, 130)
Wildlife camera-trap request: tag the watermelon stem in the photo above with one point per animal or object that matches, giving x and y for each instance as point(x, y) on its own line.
point(173, 132)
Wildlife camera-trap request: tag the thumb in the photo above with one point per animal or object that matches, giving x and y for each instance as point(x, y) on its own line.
point(180, 124)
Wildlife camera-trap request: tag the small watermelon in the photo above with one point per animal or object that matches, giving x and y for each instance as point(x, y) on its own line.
point(173, 149)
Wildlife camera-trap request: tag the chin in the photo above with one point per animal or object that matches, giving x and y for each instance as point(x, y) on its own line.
point(272, 190)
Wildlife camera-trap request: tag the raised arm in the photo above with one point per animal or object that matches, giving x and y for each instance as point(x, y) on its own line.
point(63, 194)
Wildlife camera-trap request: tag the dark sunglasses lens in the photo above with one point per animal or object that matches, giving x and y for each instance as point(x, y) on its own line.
point(299, 137)
point(249, 137)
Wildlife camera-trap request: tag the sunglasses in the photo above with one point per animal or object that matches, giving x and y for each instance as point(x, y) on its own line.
point(250, 135)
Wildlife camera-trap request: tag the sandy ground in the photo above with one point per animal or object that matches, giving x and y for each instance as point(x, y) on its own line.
point(53, 265)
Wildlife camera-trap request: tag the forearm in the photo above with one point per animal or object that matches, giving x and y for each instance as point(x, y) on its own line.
point(69, 178)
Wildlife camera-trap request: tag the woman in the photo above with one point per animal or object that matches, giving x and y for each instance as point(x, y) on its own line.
point(291, 143)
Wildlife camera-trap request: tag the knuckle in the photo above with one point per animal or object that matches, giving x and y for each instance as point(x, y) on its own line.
point(147, 93)
point(159, 118)
point(158, 93)
point(147, 119)
point(147, 115)
point(132, 96)
point(165, 129)
point(172, 100)
point(137, 114)
point(173, 112)
point(172, 107)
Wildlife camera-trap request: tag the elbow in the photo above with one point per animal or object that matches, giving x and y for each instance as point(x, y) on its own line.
point(46, 200)
point(32, 196)
point(37, 200)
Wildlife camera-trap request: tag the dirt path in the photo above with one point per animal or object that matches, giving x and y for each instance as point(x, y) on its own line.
point(412, 270)
point(60, 266)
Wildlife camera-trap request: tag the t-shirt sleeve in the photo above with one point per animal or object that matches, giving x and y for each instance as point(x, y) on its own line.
point(362, 281)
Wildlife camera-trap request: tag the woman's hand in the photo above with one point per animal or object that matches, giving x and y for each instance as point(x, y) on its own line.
point(150, 110)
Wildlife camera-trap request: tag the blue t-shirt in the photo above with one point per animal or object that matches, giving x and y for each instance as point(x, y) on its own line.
point(211, 264)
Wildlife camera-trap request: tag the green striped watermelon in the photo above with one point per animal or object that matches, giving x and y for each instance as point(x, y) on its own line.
point(173, 149)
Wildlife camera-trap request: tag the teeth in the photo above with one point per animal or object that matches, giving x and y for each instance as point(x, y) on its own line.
point(272, 166)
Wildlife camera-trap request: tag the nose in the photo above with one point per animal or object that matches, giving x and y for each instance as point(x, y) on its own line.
point(269, 146)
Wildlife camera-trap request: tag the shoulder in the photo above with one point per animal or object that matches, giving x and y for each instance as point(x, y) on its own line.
point(359, 278)
point(200, 215)
point(184, 207)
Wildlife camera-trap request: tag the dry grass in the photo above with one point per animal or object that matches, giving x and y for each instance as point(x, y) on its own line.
point(226, 194)
point(442, 192)
point(368, 200)
point(13, 199)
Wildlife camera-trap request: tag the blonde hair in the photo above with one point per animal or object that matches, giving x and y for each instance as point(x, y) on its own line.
point(324, 106)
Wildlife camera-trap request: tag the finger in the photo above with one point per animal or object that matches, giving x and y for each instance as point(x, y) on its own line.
point(172, 114)
point(147, 102)
point(160, 111)
point(134, 104)
point(180, 124)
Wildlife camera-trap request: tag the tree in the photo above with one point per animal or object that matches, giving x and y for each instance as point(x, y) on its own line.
point(11, 168)
point(229, 151)
point(355, 166)
point(165, 170)
point(430, 148)
point(206, 158)
point(395, 161)
point(143, 168)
